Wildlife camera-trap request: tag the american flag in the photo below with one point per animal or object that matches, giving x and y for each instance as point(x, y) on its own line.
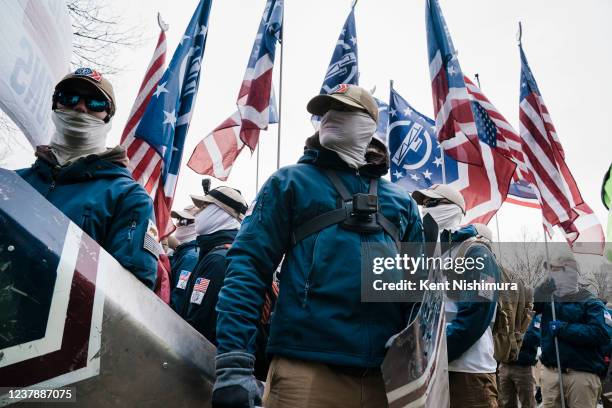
point(455, 122)
point(469, 128)
point(559, 196)
point(157, 147)
point(343, 67)
point(201, 284)
point(216, 153)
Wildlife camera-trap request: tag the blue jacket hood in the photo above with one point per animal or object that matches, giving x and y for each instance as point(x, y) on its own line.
point(210, 241)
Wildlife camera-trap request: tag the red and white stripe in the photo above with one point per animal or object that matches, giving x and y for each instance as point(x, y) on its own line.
point(145, 163)
point(485, 187)
point(454, 118)
point(557, 191)
point(217, 152)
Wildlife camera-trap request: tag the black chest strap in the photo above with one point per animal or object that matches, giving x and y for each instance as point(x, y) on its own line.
point(329, 218)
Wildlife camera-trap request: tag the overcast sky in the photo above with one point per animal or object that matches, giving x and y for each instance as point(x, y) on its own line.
point(566, 42)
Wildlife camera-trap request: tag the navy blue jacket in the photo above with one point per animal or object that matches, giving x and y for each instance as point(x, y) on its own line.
point(201, 314)
point(319, 314)
point(99, 194)
point(582, 336)
point(473, 315)
point(531, 341)
point(183, 262)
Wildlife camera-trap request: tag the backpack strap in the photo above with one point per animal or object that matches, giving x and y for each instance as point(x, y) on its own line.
point(383, 221)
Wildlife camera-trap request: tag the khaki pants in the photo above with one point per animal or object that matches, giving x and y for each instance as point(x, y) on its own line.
point(581, 389)
point(306, 384)
point(516, 381)
point(469, 390)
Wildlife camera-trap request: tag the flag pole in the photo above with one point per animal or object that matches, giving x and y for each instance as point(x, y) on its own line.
point(257, 170)
point(280, 92)
point(554, 316)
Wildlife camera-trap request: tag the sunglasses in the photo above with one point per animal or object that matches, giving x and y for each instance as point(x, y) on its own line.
point(433, 202)
point(93, 103)
point(184, 222)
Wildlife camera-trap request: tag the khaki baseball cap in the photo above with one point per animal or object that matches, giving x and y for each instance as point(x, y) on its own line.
point(187, 213)
point(562, 260)
point(94, 78)
point(229, 199)
point(440, 191)
point(344, 94)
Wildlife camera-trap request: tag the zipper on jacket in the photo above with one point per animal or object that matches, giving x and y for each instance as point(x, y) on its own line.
point(306, 288)
point(132, 227)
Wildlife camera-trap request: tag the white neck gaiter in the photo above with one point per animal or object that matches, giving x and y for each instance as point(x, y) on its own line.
point(185, 233)
point(348, 134)
point(447, 216)
point(212, 219)
point(77, 134)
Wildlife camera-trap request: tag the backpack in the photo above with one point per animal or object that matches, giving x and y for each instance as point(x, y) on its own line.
point(514, 310)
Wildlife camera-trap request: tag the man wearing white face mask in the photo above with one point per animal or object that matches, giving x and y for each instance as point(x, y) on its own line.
point(323, 215)
point(581, 333)
point(469, 314)
point(91, 184)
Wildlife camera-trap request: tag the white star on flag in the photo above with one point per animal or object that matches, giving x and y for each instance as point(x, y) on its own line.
point(203, 30)
point(451, 70)
point(415, 177)
point(392, 112)
point(407, 111)
point(398, 174)
point(161, 88)
point(438, 161)
point(353, 40)
point(170, 118)
point(427, 174)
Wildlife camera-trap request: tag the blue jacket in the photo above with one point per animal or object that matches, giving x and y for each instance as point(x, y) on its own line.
point(474, 312)
point(319, 314)
point(183, 261)
point(99, 194)
point(531, 341)
point(582, 336)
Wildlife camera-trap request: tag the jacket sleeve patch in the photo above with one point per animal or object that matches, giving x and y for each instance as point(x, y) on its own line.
point(150, 240)
point(183, 279)
point(199, 290)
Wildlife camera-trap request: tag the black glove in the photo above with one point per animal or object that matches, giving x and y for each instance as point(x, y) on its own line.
point(544, 290)
point(236, 386)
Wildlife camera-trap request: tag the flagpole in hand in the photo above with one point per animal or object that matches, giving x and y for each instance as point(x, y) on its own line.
point(280, 93)
point(162, 24)
point(554, 316)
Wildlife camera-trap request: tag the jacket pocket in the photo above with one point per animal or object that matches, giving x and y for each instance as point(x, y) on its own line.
point(133, 223)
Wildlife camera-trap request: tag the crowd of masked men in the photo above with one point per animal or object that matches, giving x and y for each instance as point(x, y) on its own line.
point(301, 328)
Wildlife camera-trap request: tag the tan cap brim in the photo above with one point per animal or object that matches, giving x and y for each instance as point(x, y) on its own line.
point(181, 214)
point(419, 195)
point(321, 104)
point(201, 201)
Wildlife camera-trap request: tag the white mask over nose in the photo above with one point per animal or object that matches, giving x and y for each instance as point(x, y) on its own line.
point(185, 233)
point(77, 134)
point(447, 216)
point(566, 280)
point(348, 134)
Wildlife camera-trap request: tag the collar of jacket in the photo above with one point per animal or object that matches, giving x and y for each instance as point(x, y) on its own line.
point(185, 245)
point(377, 158)
point(581, 295)
point(459, 235)
point(110, 164)
point(209, 241)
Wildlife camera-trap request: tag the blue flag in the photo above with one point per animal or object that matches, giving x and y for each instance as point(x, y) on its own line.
point(383, 120)
point(416, 156)
point(165, 123)
point(343, 67)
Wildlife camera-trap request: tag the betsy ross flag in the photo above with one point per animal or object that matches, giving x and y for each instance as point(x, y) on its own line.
point(559, 196)
point(343, 67)
point(455, 122)
point(156, 151)
point(149, 83)
point(216, 153)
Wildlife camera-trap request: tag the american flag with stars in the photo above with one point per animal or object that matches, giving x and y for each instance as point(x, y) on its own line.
point(160, 136)
point(201, 284)
point(256, 104)
point(558, 194)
